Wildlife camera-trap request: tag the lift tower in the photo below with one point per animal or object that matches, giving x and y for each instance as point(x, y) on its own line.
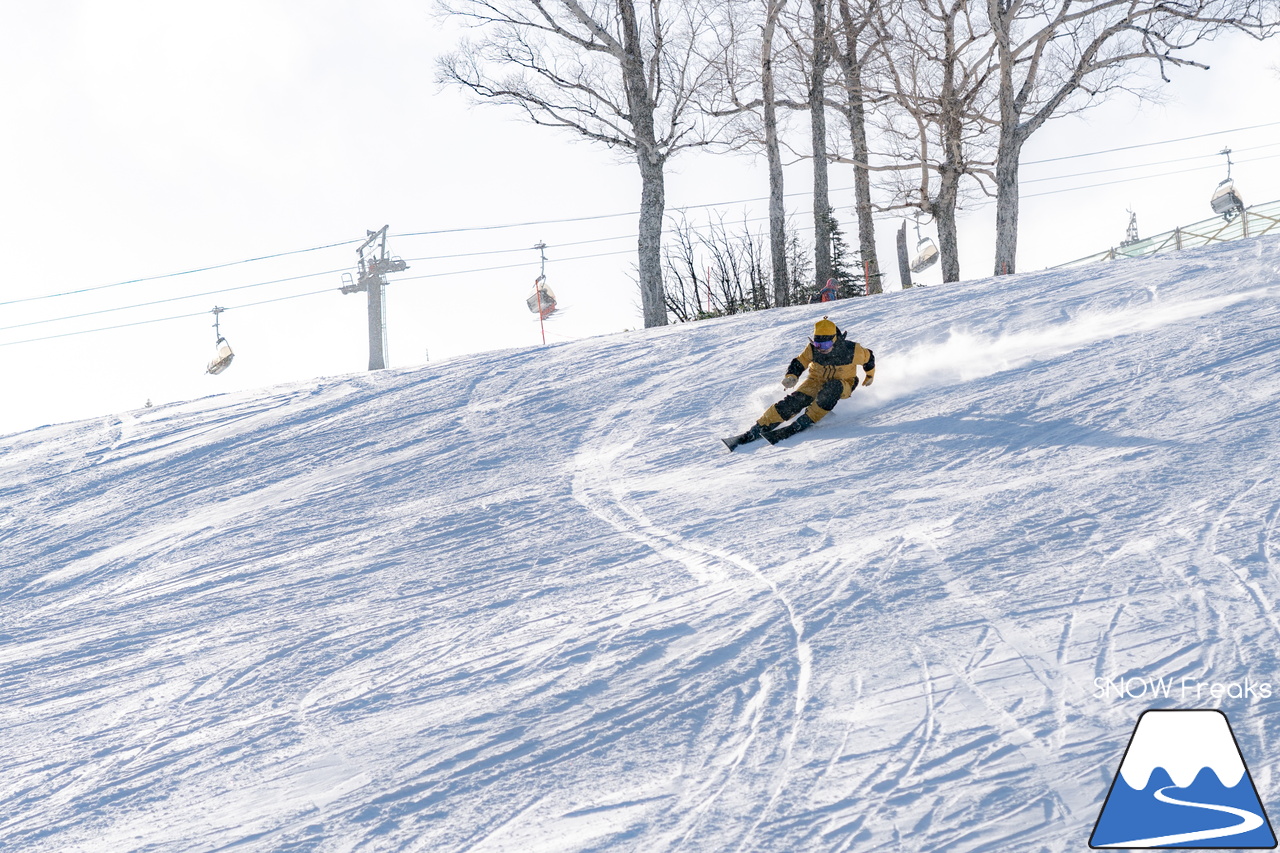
point(372, 279)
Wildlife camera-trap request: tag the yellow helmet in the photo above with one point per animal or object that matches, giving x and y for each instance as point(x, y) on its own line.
point(824, 328)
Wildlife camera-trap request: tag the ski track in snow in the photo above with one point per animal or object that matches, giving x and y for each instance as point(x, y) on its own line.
point(600, 486)
point(471, 607)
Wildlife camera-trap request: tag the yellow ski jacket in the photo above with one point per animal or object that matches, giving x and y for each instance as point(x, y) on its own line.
point(842, 363)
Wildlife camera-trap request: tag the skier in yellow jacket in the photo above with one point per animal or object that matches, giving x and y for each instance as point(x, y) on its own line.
point(832, 361)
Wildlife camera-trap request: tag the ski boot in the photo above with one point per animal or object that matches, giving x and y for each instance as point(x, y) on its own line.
point(756, 432)
point(801, 423)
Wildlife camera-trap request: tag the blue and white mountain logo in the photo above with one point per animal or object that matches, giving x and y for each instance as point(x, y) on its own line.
point(1183, 783)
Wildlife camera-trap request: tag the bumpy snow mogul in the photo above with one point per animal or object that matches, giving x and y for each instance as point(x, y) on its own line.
point(1183, 783)
point(832, 361)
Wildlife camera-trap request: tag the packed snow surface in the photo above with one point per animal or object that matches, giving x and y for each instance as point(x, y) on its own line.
point(525, 601)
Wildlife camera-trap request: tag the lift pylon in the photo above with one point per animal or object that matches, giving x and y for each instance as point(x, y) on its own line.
point(372, 279)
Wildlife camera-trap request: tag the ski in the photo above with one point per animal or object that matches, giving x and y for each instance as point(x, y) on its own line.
point(735, 441)
point(801, 423)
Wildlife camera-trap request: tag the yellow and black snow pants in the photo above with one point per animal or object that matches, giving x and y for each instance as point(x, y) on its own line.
point(815, 395)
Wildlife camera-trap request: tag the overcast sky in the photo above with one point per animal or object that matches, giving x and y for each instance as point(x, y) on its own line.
point(148, 137)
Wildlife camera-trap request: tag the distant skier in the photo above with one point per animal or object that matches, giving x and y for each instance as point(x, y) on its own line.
point(830, 292)
point(832, 361)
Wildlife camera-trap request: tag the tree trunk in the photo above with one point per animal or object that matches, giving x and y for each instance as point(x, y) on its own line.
point(652, 208)
point(944, 213)
point(777, 209)
point(949, 170)
point(1010, 153)
point(862, 185)
point(818, 125)
point(856, 112)
point(652, 164)
point(904, 260)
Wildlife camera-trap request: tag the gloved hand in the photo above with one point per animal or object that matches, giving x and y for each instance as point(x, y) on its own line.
point(867, 380)
point(789, 381)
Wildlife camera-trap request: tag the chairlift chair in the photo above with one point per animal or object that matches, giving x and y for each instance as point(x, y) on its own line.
point(926, 252)
point(542, 301)
point(1226, 200)
point(222, 354)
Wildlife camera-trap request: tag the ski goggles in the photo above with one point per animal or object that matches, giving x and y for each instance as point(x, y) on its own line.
point(824, 343)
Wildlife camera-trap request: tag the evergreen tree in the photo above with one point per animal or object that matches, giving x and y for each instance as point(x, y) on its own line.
point(844, 262)
point(800, 267)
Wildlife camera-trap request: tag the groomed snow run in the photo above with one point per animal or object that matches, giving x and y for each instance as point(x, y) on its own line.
point(525, 601)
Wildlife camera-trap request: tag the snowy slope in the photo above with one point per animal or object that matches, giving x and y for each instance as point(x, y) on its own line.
point(525, 601)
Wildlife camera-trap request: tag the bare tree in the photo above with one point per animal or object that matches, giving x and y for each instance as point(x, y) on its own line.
point(1059, 56)
point(800, 263)
point(819, 61)
point(621, 72)
point(687, 293)
point(714, 271)
point(747, 92)
point(856, 38)
point(751, 93)
point(769, 106)
point(808, 55)
point(939, 81)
